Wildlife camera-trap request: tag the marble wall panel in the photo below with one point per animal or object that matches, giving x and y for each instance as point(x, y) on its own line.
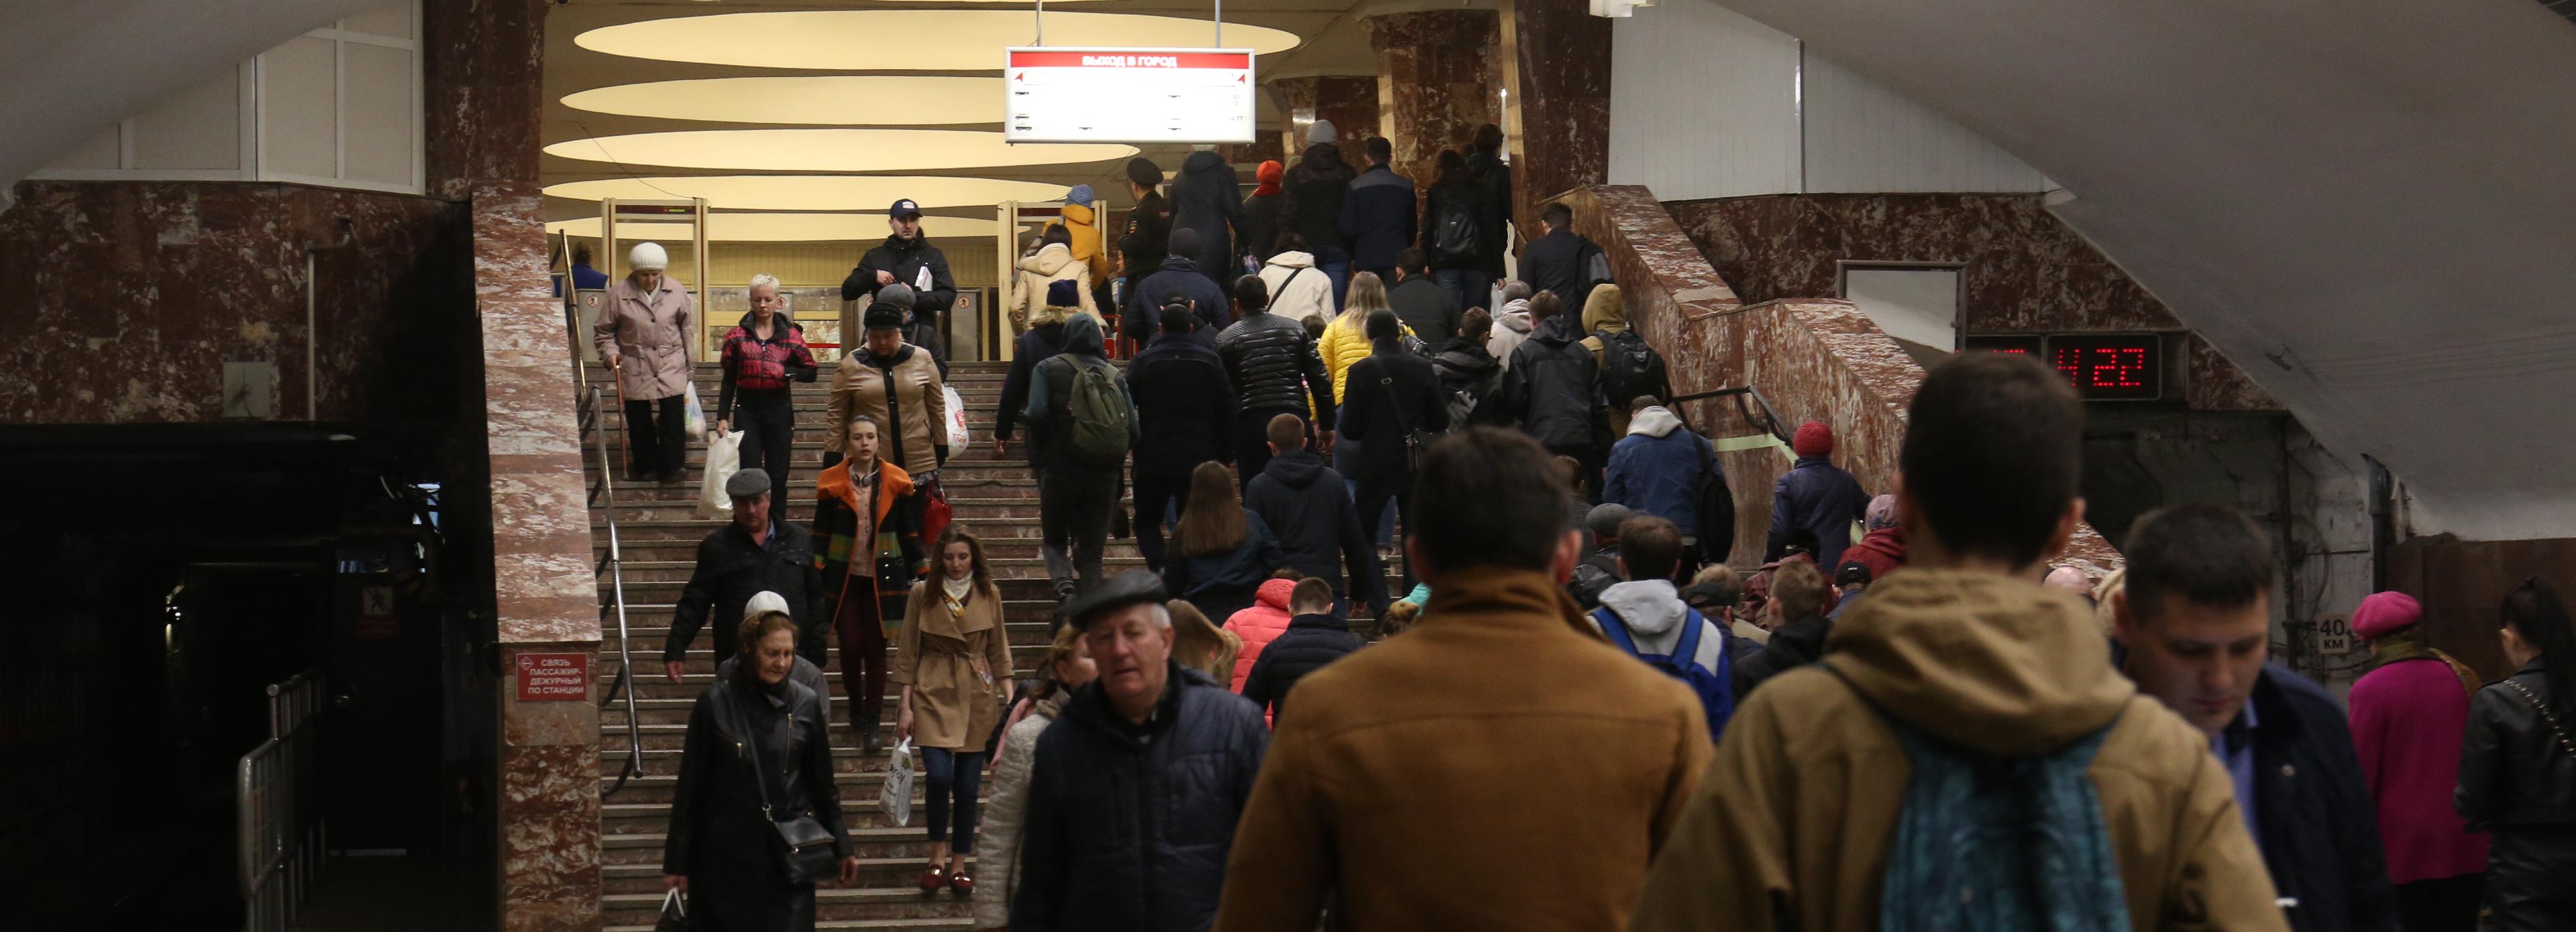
point(482, 72)
point(121, 302)
point(1350, 103)
point(1435, 84)
point(1556, 58)
point(548, 808)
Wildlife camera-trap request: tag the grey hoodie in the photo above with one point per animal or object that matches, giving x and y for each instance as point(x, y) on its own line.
point(1653, 611)
point(1510, 328)
point(1656, 421)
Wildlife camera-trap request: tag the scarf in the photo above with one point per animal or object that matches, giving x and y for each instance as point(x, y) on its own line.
point(957, 588)
point(2408, 644)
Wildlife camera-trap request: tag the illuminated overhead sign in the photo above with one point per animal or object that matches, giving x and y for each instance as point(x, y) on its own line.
point(1058, 94)
point(2101, 366)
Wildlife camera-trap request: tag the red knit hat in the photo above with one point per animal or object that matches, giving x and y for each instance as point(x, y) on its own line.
point(1813, 439)
point(2384, 612)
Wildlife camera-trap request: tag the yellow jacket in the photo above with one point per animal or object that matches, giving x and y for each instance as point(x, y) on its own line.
point(1345, 343)
point(1080, 224)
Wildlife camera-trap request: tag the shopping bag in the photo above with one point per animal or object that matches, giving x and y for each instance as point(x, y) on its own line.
point(697, 413)
point(957, 437)
point(724, 457)
point(675, 914)
point(895, 794)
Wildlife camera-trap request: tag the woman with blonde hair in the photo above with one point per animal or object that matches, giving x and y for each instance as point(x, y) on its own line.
point(1221, 552)
point(1345, 343)
point(1067, 666)
point(1198, 644)
point(953, 661)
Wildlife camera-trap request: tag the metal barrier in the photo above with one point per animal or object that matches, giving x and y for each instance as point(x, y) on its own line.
point(279, 831)
point(615, 564)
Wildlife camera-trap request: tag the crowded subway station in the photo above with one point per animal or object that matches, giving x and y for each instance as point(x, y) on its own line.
point(1694, 465)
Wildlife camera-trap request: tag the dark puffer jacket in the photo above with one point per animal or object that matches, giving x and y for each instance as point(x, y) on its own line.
point(1792, 645)
point(1311, 201)
point(1310, 642)
point(1552, 388)
point(1208, 198)
point(1816, 495)
point(1273, 365)
point(1308, 507)
point(1128, 826)
point(1184, 406)
point(1469, 374)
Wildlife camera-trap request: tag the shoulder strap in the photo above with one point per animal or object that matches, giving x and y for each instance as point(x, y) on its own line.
point(1686, 653)
point(1292, 276)
point(2543, 709)
point(1403, 421)
point(750, 742)
point(1614, 629)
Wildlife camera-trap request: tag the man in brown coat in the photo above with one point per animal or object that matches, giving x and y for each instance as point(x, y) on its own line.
point(1497, 767)
point(1962, 657)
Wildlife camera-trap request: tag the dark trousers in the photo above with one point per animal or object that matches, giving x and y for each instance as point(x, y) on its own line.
point(1252, 440)
point(1074, 502)
point(767, 420)
point(1153, 495)
point(1471, 287)
point(2449, 904)
point(655, 448)
point(952, 775)
point(1374, 495)
point(863, 654)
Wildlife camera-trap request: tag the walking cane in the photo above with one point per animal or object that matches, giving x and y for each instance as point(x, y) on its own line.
point(616, 380)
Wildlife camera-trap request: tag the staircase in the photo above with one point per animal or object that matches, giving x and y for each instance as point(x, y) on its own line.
point(659, 534)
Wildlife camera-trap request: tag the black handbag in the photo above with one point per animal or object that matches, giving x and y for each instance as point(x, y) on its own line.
point(806, 846)
point(675, 914)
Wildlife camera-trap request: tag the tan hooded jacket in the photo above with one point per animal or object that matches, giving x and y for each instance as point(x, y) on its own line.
point(1053, 263)
point(1606, 309)
point(1792, 822)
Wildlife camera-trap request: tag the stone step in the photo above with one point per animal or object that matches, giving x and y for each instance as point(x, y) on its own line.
point(666, 761)
point(857, 812)
point(897, 873)
point(1028, 623)
point(885, 842)
point(907, 906)
point(658, 789)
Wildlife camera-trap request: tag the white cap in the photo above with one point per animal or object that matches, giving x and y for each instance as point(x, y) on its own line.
point(763, 603)
point(648, 256)
point(1322, 132)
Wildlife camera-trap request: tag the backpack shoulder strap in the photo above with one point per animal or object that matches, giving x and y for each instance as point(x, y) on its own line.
point(1686, 653)
point(1614, 629)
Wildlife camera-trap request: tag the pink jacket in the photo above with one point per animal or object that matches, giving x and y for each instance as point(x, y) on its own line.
point(2407, 721)
point(1257, 625)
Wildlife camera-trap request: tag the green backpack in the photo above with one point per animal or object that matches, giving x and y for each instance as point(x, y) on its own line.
point(1100, 412)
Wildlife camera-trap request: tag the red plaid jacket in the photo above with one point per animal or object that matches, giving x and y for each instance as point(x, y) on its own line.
point(754, 364)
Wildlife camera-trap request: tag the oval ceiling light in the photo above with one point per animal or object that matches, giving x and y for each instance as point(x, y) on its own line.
point(829, 150)
point(903, 40)
point(814, 192)
point(824, 100)
point(780, 228)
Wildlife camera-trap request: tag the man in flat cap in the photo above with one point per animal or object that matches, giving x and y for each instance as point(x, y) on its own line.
point(752, 555)
point(1136, 788)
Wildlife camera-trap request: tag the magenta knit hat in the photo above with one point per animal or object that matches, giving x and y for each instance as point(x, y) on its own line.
point(2384, 612)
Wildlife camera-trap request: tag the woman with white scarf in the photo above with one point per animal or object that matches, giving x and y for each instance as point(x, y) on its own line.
point(953, 660)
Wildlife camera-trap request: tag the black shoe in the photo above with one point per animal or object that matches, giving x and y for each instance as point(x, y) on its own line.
point(870, 739)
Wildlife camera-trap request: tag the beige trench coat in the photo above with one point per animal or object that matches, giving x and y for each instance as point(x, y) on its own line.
point(650, 332)
point(958, 665)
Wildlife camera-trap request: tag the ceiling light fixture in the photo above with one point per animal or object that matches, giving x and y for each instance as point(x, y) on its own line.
point(929, 40)
point(829, 150)
point(822, 100)
point(814, 192)
point(781, 228)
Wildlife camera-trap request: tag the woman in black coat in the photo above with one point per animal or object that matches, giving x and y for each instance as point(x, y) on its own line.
point(2518, 767)
point(1389, 393)
point(722, 852)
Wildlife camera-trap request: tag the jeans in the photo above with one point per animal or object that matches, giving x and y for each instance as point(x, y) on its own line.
point(1074, 502)
point(952, 775)
point(863, 652)
point(655, 448)
point(767, 420)
point(1372, 497)
point(1346, 460)
point(1252, 441)
point(1340, 272)
point(1471, 287)
point(1155, 496)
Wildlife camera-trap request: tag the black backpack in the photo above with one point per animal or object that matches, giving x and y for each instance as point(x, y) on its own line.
point(1457, 236)
point(1716, 513)
point(1629, 368)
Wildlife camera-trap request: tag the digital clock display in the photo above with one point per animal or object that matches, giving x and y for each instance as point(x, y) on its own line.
point(2101, 366)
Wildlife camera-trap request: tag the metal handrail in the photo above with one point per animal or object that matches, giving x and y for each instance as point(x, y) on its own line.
point(279, 833)
point(616, 566)
point(1770, 421)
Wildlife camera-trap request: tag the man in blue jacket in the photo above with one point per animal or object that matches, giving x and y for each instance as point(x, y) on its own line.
point(1185, 408)
point(2194, 629)
point(1658, 470)
point(1378, 213)
point(1181, 280)
point(1816, 496)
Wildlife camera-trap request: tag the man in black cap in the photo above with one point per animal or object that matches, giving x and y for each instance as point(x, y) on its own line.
point(745, 558)
point(1135, 791)
point(1181, 281)
point(906, 258)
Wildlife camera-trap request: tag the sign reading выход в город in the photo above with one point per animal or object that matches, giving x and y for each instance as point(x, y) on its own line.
point(1063, 94)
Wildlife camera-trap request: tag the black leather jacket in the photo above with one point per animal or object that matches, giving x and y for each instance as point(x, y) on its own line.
point(2513, 771)
point(718, 838)
point(1273, 366)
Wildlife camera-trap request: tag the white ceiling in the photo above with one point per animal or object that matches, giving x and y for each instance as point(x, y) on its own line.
point(2365, 203)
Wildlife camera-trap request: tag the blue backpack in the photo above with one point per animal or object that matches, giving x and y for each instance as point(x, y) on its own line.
point(1715, 688)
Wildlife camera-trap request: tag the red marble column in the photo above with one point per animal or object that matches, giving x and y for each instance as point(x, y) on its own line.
point(482, 86)
point(1435, 84)
point(1557, 118)
point(1349, 103)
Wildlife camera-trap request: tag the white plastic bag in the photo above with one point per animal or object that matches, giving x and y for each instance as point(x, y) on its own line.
point(895, 794)
point(956, 420)
point(724, 458)
point(697, 426)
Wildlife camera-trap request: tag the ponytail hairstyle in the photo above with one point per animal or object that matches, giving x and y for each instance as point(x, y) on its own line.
point(2534, 612)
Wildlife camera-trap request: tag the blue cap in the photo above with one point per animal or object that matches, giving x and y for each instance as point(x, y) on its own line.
point(1081, 194)
point(904, 208)
point(1064, 294)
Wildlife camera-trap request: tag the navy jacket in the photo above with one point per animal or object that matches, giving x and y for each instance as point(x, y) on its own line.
point(1379, 218)
point(1426, 307)
point(1310, 642)
point(1208, 198)
point(1657, 470)
point(1376, 415)
point(1817, 496)
point(1129, 826)
point(1555, 263)
point(1309, 508)
point(1184, 406)
point(1180, 277)
point(1552, 389)
point(2319, 825)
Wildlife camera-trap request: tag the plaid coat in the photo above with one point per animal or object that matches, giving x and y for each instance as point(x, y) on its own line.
point(895, 547)
point(754, 364)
